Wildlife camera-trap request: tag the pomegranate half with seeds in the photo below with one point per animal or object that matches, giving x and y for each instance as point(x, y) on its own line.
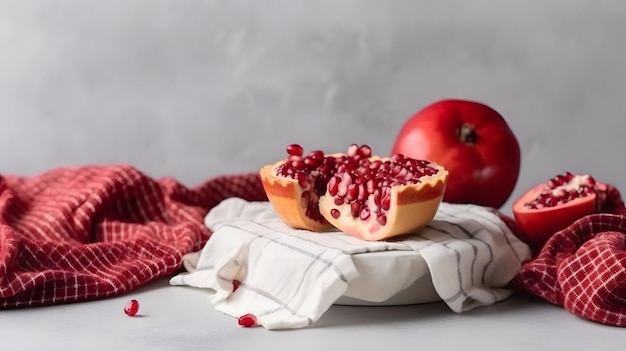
point(549, 207)
point(366, 196)
point(294, 186)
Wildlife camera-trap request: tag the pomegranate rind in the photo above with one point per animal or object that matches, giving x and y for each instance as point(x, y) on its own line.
point(537, 225)
point(285, 196)
point(412, 208)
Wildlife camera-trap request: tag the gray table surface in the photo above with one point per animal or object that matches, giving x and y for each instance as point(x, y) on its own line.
point(181, 318)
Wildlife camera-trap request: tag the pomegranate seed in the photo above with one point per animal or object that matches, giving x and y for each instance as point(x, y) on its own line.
point(132, 307)
point(335, 213)
point(365, 214)
point(333, 185)
point(338, 200)
point(377, 197)
point(355, 209)
point(351, 164)
point(302, 179)
point(236, 284)
point(381, 218)
point(313, 161)
point(353, 150)
point(386, 202)
point(395, 170)
point(365, 151)
point(375, 164)
point(572, 194)
point(317, 154)
point(397, 157)
point(363, 194)
point(247, 320)
point(298, 164)
point(352, 192)
point(295, 150)
point(371, 186)
point(325, 170)
point(342, 187)
point(591, 180)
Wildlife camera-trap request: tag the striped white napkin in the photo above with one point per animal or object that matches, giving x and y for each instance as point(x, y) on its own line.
point(289, 278)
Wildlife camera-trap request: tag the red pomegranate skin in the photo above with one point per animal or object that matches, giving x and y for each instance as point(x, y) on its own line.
point(549, 207)
point(473, 142)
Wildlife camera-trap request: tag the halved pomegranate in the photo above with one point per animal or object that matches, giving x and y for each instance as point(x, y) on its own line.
point(293, 187)
point(366, 196)
point(549, 207)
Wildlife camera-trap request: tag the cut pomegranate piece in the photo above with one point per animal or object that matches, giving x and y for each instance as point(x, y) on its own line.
point(363, 195)
point(549, 207)
point(294, 186)
point(132, 307)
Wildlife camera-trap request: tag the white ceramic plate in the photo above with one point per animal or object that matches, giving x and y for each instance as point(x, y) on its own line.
point(390, 278)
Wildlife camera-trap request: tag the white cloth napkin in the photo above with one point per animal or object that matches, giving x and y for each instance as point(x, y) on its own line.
point(289, 278)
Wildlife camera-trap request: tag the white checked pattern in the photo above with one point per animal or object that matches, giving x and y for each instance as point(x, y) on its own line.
point(583, 268)
point(288, 278)
point(83, 233)
point(472, 255)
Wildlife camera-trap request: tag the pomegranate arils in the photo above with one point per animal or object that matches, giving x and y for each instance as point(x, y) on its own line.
point(356, 178)
point(562, 189)
point(363, 193)
point(560, 179)
point(365, 214)
point(247, 320)
point(312, 172)
point(333, 185)
point(359, 152)
point(297, 164)
point(355, 209)
point(352, 192)
point(366, 187)
point(131, 308)
point(386, 202)
point(295, 150)
point(381, 218)
point(360, 180)
point(302, 179)
point(313, 161)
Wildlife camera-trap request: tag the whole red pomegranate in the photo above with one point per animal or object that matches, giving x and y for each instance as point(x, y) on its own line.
point(549, 207)
point(473, 142)
point(366, 196)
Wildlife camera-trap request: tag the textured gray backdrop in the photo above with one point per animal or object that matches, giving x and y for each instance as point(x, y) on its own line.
point(194, 89)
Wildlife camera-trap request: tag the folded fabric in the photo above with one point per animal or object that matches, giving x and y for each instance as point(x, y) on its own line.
point(288, 278)
point(583, 267)
point(82, 233)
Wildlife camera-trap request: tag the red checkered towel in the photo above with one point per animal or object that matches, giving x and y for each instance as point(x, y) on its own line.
point(583, 267)
point(83, 233)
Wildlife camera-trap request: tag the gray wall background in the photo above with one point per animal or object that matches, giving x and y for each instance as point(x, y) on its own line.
point(193, 89)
